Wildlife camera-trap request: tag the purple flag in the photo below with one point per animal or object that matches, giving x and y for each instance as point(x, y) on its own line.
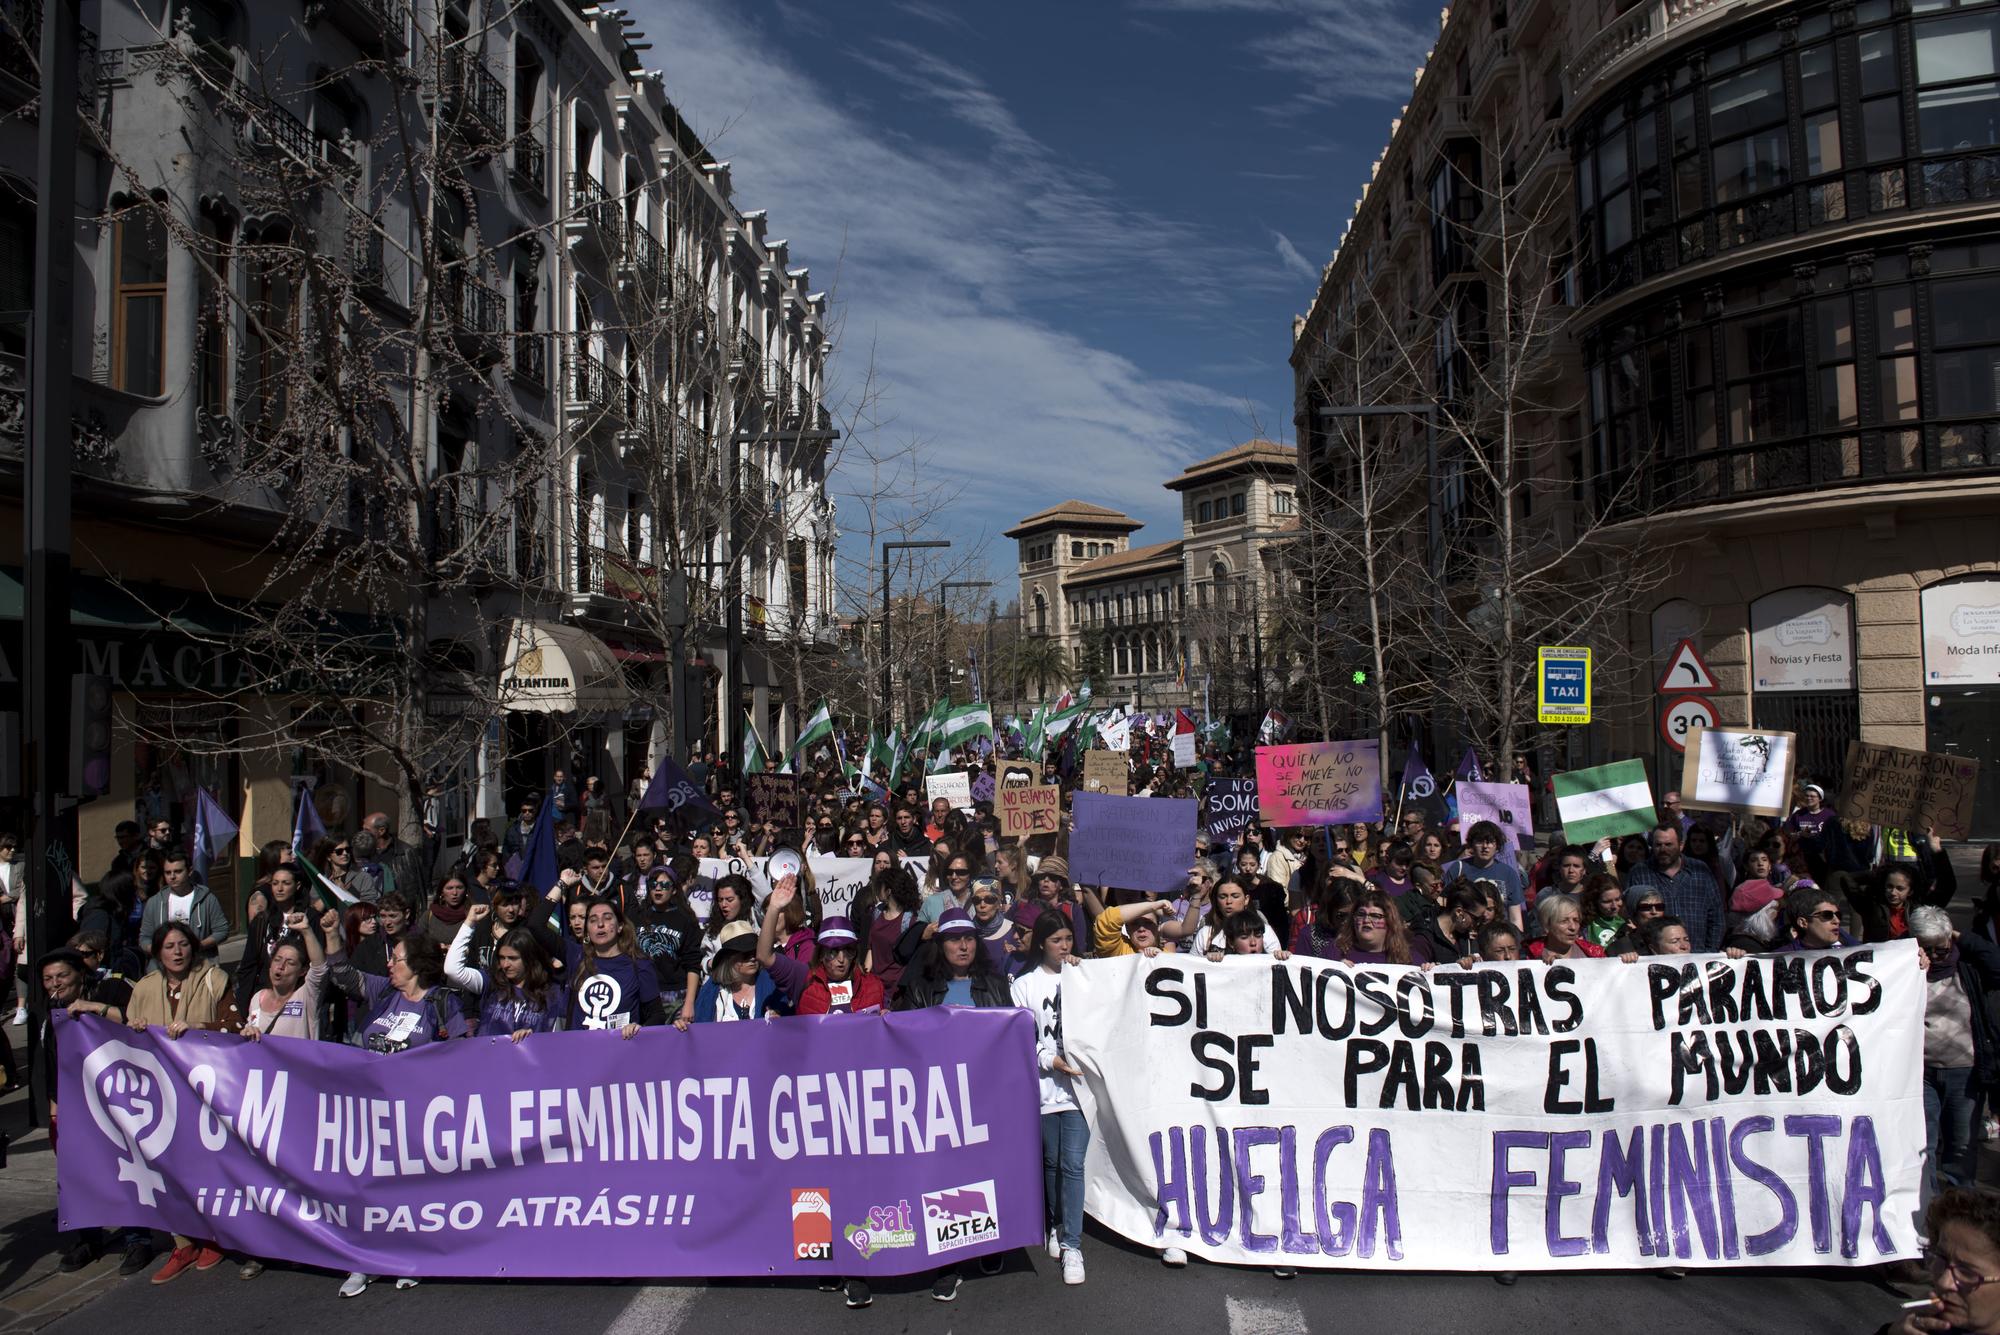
point(1418, 782)
point(672, 790)
point(1468, 766)
point(213, 828)
point(307, 828)
point(813, 1146)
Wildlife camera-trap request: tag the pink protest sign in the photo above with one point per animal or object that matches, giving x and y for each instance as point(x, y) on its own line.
point(1319, 783)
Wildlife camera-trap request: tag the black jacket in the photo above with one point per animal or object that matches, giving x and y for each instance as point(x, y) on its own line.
point(1932, 881)
point(920, 990)
point(1979, 972)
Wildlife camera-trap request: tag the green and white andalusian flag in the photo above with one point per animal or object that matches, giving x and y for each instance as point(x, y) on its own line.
point(755, 758)
point(962, 725)
point(1604, 802)
point(818, 728)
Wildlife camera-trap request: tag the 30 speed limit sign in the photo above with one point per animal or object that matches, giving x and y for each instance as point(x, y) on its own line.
point(1682, 716)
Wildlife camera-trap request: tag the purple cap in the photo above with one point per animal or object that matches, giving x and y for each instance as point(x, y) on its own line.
point(956, 921)
point(834, 933)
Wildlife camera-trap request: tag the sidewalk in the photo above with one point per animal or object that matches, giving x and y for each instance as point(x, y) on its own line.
point(33, 1292)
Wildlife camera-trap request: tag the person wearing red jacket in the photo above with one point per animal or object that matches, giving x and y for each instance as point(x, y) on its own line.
point(837, 986)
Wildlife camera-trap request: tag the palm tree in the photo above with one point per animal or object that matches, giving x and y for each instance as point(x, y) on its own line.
point(1039, 662)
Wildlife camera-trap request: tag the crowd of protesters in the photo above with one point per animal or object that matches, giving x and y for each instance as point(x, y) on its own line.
point(435, 944)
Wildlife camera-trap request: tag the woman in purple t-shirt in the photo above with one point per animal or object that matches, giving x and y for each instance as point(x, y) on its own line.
point(408, 1009)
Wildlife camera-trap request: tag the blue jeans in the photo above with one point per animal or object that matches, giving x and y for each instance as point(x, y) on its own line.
point(1953, 1153)
point(1065, 1136)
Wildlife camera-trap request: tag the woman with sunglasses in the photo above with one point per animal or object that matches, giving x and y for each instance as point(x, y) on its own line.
point(516, 995)
point(667, 934)
point(336, 861)
point(996, 930)
point(1642, 909)
point(954, 888)
point(750, 978)
point(854, 844)
point(837, 986)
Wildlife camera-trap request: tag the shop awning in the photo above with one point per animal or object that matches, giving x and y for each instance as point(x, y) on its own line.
point(551, 668)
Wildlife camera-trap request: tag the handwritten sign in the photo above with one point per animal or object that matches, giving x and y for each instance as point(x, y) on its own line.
point(954, 786)
point(982, 788)
point(1908, 790)
point(1319, 783)
point(1014, 773)
point(1745, 770)
point(1508, 805)
point(772, 797)
point(1031, 809)
point(1132, 843)
point(1104, 772)
point(1228, 806)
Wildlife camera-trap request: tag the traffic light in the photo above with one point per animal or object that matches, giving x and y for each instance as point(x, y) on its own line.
point(89, 736)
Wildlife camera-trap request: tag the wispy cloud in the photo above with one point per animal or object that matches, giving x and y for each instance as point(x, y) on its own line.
point(929, 12)
point(955, 253)
point(1328, 51)
point(1297, 263)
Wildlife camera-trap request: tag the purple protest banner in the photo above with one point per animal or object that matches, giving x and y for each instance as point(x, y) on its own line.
point(824, 1145)
point(1131, 843)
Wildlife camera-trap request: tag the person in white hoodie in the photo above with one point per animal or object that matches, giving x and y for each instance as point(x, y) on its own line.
point(1065, 1135)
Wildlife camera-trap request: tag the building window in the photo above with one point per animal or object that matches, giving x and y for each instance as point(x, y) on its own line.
point(1204, 513)
point(1958, 101)
point(1236, 504)
point(1076, 551)
point(139, 310)
point(1281, 503)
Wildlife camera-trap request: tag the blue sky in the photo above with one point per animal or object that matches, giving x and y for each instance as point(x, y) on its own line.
point(1068, 237)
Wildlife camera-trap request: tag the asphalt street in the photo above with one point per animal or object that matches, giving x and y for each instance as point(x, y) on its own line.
point(1128, 1293)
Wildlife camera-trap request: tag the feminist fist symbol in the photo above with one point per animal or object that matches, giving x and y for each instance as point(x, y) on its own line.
point(133, 1105)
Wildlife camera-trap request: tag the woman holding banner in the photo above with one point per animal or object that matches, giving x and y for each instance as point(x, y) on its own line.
point(1562, 931)
point(1374, 933)
point(611, 986)
point(185, 992)
point(1065, 1134)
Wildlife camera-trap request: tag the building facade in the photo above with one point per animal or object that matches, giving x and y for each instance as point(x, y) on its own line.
point(1159, 623)
point(1776, 265)
point(616, 374)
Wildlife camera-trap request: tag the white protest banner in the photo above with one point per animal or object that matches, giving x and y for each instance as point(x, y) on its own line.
point(1679, 1111)
point(1745, 770)
point(1116, 733)
point(954, 786)
point(837, 880)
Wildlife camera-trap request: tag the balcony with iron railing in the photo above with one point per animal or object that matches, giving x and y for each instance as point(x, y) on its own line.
point(530, 168)
point(378, 27)
point(593, 387)
point(475, 100)
point(594, 214)
point(475, 313)
point(644, 261)
point(1636, 34)
point(531, 357)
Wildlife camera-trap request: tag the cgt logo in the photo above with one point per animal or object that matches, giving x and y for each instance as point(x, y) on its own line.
point(812, 1224)
point(960, 1217)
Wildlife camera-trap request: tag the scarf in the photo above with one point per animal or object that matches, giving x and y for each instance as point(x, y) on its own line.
point(444, 913)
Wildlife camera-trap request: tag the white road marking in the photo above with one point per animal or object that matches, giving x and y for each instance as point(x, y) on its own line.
point(655, 1309)
point(1262, 1316)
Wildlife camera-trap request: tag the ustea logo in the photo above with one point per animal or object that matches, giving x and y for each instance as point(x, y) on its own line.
point(960, 1217)
point(812, 1224)
point(887, 1226)
point(132, 1102)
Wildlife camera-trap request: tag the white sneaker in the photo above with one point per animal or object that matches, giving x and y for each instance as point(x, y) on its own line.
point(1173, 1256)
point(355, 1284)
point(20, 1015)
point(406, 1282)
point(1072, 1260)
point(1055, 1245)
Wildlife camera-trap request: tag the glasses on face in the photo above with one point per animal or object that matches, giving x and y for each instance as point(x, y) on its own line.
point(1651, 908)
point(1963, 1277)
point(1826, 915)
point(340, 852)
point(986, 899)
point(1366, 916)
point(90, 952)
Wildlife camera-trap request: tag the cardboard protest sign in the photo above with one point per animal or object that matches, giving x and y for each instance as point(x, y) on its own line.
point(954, 786)
point(1104, 772)
point(1228, 807)
point(1030, 809)
point(1909, 790)
point(1508, 805)
point(1014, 773)
point(1319, 783)
point(772, 797)
point(1745, 770)
point(982, 787)
point(1132, 843)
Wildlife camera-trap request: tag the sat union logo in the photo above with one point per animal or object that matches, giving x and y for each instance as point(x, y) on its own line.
point(960, 1217)
point(812, 1224)
point(132, 1103)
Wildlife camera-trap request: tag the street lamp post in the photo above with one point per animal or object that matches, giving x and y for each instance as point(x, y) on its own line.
point(888, 682)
